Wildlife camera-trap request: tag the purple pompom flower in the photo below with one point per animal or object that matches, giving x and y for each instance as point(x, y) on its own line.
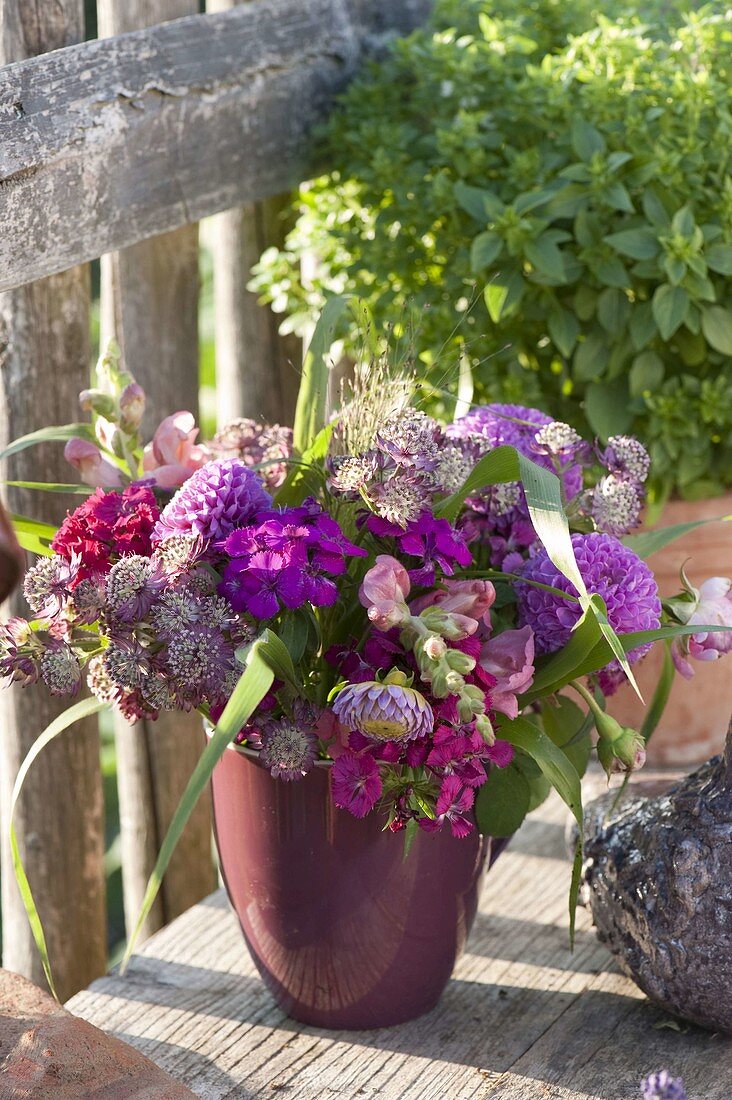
point(388, 711)
point(626, 584)
point(218, 498)
point(662, 1086)
point(356, 782)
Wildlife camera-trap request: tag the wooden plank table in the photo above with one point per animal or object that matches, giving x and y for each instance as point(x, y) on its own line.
point(522, 1018)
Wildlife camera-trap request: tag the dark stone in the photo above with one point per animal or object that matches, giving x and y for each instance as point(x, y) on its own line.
point(46, 1052)
point(658, 873)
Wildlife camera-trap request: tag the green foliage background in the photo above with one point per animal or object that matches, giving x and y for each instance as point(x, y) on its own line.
point(548, 191)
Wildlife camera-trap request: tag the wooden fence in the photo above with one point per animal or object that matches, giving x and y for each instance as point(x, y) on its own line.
point(116, 148)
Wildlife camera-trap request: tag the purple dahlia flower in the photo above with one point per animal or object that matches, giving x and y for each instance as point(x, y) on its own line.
point(387, 711)
point(626, 584)
point(218, 498)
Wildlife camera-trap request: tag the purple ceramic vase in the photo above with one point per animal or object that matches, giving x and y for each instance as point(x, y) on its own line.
point(345, 932)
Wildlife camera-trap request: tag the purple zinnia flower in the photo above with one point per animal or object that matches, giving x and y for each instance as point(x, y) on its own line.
point(388, 711)
point(218, 498)
point(356, 782)
point(626, 584)
point(288, 748)
point(662, 1086)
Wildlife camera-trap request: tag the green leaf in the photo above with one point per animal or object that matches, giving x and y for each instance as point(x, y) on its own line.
point(312, 397)
point(586, 140)
point(613, 309)
point(484, 250)
point(617, 196)
point(642, 325)
point(716, 323)
point(654, 209)
point(683, 223)
point(293, 630)
point(639, 244)
point(545, 256)
point(590, 358)
point(569, 728)
point(33, 535)
point(660, 696)
point(59, 434)
point(564, 329)
point(502, 802)
point(646, 373)
point(669, 308)
point(83, 709)
point(502, 294)
point(607, 408)
point(719, 258)
point(52, 487)
point(647, 543)
point(562, 776)
point(562, 666)
point(478, 203)
point(253, 685)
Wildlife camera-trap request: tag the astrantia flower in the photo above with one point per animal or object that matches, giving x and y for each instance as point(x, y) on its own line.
point(388, 711)
point(288, 748)
point(556, 438)
point(628, 456)
point(267, 446)
point(411, 438)
point(662, 1086)
point(127, 662)
point(60, 669)
point(101, 684)
point(178, 554)
point(218, 498)
point(626, 584)
point(199, 658)
point(20, 653)
point(356, 782)
point(352, 473)
point(398, 500)
point(181, 607)
point(615, 504)
point(106, 526)
point(132, 587)
point(47, 584)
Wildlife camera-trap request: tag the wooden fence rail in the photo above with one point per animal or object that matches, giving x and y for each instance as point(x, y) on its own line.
point(123, 144)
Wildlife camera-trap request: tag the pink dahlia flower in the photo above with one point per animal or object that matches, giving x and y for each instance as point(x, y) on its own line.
point(173, 455)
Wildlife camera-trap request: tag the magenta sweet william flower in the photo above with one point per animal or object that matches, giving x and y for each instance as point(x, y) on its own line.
point(626, 584)
point(384, 592)
point(356, 782)
point(388, 711)
point(264, 585)
point(509, 658)
point(213, 502)
point(434, 542)
point(454, 802)
point(173, 455)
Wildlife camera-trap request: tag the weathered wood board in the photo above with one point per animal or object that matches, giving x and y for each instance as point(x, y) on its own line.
point(109, 142)
point(522, 1018)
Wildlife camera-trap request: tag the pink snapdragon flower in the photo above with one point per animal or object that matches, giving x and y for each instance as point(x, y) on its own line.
point(472, 599)
point(384, 593)
point(713, 608)
point(95, 469)
point(173, 455)
point(509, 657)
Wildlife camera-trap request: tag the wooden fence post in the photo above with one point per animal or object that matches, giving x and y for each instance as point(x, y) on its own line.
point(44, 363)
point(150, 304)
point(257, 370)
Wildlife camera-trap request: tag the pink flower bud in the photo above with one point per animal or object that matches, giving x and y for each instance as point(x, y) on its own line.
point(132, 407)
point(470, 598)
point(384, 592)
point(173, 456)
point(95, 469)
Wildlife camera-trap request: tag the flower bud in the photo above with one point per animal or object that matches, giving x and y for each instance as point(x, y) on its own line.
point(454, 682)
point(485, 729)
point(460, 662)
point(132, 407)
point(103, 404)
point(435, 647)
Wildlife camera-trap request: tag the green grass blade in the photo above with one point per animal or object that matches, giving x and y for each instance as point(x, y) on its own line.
point(75, 713)
point(33, 535)
point(253, 685)
point(660, 695)
point(647, 543)
point(52, 487)
point(59, 434)
point(312, 398)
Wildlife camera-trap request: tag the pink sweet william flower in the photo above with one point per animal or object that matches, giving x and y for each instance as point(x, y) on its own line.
point(472, 599)
point(173, 455)
point(714, 608)
point(509, 657)
point(384, 592)
point(95, 470)
point(356, 782)
point(454, 801)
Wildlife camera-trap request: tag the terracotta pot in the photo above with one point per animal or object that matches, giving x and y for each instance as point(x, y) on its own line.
point(345, 932)
point(695, 722)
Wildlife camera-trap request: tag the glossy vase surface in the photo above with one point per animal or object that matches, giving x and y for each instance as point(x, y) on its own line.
point(345, 932)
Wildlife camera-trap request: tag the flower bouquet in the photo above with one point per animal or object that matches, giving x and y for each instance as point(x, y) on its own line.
point(377, 616)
